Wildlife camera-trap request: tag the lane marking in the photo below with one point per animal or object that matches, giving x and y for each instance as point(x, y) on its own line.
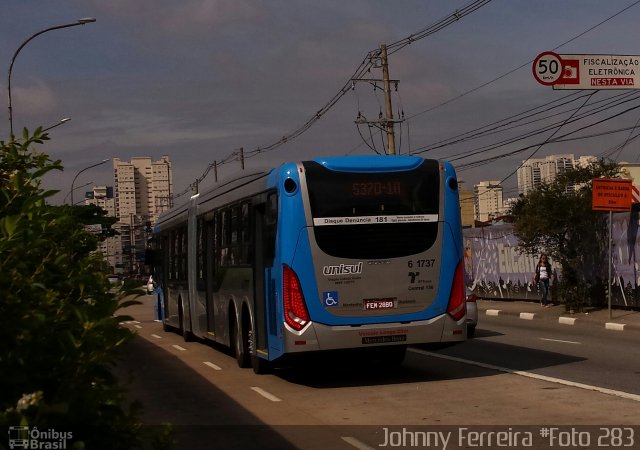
point(212, 365)
point(559, 340)
point(492, 312)
point(588, 387)
point(156, 336)
point(177, 347)
point(138, 326)
point(356, 443)
point(266, 394)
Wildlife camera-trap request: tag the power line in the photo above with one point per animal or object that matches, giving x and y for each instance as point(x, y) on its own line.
point(360, 71)
point(515, 69)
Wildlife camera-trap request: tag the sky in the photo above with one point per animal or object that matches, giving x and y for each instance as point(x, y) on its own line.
point(199, 79)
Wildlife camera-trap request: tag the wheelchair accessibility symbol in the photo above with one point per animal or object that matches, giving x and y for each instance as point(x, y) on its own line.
point(330, 298)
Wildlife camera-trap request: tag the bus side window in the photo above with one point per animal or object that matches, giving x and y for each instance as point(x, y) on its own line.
point(200, 254)
point(225, 237)
point(245, 255)
point(173, 245)
point(270, 228)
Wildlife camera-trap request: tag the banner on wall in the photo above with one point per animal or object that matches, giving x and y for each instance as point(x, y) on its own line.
point(495, 266)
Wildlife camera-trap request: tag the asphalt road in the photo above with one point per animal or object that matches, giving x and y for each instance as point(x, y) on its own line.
point(346, 405)
point(580, 353)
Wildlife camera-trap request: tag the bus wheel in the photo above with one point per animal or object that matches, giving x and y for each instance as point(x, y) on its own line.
point(241, 345)
point(260, 366)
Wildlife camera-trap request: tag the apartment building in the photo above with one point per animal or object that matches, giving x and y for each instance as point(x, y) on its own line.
point(103, 197)
point(533, 172)
point(467, 205)
point(143, 189)
point(488, 200)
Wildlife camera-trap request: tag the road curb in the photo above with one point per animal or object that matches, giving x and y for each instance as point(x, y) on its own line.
point(562, 320)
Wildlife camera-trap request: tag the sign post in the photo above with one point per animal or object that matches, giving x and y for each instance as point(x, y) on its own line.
point(611, 194)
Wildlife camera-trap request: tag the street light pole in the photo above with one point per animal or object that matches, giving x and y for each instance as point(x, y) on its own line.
point(86, 168)
point(64, 201)
point(65, 120)
point(13, 59)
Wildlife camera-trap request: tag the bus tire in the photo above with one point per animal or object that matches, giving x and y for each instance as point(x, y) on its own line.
point(260, 366)
point(240, 345)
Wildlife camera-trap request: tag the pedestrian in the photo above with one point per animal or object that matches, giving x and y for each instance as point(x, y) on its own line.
point(542, 277)
point(153, 287)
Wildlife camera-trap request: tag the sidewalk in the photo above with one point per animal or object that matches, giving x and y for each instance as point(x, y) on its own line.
point(621, 320)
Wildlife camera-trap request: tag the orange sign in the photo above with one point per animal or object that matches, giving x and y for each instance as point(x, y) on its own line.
point(611, 194)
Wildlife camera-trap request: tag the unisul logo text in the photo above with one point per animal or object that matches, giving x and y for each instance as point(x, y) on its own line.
point(342, 269)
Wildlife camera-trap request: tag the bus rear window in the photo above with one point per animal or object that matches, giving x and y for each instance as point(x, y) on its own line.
point(374, 215)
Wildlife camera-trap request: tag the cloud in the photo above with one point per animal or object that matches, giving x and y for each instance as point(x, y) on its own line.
point(33, 99)
point(182, 18)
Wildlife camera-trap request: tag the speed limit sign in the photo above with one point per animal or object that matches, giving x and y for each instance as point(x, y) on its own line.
point(547, 68)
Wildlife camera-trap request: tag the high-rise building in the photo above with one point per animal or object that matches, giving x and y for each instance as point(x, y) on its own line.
point(488, 200)
point(467, 204)
point(143, 189)
point(110, 248)
point(533, 172)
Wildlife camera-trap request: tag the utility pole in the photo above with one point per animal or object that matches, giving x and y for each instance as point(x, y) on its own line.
point(242, 158)
point(391, 140)
point(387, 122)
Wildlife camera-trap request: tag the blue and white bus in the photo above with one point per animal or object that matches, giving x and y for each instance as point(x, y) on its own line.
point(333, 253)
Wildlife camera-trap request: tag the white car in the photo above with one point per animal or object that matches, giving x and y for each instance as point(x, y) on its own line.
point(472, 313)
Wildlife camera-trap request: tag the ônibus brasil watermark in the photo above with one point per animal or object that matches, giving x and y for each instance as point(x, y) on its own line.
point(21, 437)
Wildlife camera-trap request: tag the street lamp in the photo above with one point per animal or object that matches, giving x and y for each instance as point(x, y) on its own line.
point(86, 168)
point(13, 59)
point(75, 189)
point(65, 120)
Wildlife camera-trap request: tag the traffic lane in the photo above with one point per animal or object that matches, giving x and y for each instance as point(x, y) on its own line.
point(202, 415)
point(584, 354)
point(426, 390)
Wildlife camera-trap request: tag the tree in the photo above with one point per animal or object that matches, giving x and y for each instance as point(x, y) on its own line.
point(59, 323)
point(557, 219)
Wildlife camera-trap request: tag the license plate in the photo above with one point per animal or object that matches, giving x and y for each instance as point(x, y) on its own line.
point(384, 339)
point(379, 303)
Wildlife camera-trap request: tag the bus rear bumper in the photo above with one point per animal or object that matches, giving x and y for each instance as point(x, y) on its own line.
point(319, 337)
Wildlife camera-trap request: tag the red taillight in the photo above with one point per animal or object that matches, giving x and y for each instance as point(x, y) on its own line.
point(295, 310)
point(457, 305)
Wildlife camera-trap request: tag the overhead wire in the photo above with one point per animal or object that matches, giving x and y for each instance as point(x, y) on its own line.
point(526, 64)
point(360, 71)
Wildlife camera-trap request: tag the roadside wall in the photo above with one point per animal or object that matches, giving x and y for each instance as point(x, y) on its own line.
point(496, 268)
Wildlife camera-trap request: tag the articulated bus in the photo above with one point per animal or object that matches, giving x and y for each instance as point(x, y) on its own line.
point(356, 252)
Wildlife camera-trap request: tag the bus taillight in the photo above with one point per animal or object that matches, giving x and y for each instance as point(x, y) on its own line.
point(295, 310)
point(457, 306)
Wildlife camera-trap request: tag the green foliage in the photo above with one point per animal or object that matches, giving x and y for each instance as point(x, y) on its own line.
point(557, 220)
point(59, 332)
